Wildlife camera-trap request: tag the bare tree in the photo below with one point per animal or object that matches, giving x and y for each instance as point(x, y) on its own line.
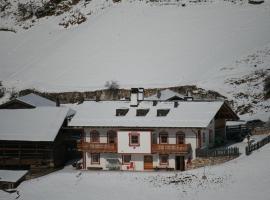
point(112, 87)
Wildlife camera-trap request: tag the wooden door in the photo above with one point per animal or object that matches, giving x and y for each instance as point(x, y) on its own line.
point(180, 163)
point(111, 137)
point(180, 139)
point(148, 162)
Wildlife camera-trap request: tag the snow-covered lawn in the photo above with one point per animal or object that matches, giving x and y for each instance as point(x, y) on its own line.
point(245, 178)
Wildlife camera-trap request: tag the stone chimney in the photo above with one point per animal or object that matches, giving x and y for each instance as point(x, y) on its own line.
point(134, 97)
point(141, 94)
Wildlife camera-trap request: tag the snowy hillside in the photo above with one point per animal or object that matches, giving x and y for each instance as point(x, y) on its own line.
point(242, 178)
point(139, 43)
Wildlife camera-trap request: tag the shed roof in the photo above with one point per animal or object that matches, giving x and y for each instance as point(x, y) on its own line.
point(186, 114)
point(39, 124)
point(36, 100)
point(11, 175)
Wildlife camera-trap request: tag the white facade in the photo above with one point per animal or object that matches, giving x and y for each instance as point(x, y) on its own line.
point(137, 153)
point(124, 146)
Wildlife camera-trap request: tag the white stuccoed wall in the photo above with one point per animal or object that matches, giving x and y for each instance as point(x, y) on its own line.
point(137, 154)
point(123, 142)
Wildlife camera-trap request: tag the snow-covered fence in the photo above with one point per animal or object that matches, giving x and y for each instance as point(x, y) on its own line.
point(232, 151)
point(257, 145)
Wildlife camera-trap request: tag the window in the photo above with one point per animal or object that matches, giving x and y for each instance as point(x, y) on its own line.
point(180, 138)
point(111, 137)
point(162, 112)
point(164, 159)
point(141, 112)
point(121, 111)
point(95, 158)
point(126, 159)
point(94, 137)
point(163, 138)
point(134, 139)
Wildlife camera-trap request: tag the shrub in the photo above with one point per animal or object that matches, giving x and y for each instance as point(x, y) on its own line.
point(25, 10)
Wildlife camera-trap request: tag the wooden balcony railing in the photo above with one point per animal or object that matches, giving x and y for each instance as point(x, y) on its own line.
point(97, 147)
point(171, 148)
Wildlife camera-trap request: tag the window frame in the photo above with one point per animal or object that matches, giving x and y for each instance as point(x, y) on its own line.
point(177, 138)
point(123, 160)
point(131, 134)
point(91, 136)
point(109, 133)
point(160, 159)
point(92, 155)
point(163, 134)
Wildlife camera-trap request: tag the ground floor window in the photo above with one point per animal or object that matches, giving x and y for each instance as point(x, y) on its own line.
point(164, 159)
point(126, 159)
point(95, 158)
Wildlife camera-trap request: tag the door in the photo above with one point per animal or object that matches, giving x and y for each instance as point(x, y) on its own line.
point(111, 137)
point(180, 163)
point(180, 139)
point(148, 162)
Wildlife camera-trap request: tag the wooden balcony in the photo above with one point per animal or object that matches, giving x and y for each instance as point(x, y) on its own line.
point(171, 148)
point(97, 147)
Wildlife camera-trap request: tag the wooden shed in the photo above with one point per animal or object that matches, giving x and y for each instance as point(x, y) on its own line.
point(31, 138)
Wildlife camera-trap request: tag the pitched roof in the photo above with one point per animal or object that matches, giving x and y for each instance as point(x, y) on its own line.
point(11, 175)
point(186, 114)
point(36, 100)
point(165, 95)
point(39, 124)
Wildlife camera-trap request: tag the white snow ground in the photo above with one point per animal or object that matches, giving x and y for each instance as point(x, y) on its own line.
point(245, 178)
point(142, 44)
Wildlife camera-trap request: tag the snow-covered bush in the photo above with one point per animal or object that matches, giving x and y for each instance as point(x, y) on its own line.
point(25, 10)
point(3, 5)
point(75, 18)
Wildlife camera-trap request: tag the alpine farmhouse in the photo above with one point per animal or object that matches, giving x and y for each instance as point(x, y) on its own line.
point(139, 134)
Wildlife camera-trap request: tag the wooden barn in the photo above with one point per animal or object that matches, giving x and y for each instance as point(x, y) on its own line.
point(31, 138)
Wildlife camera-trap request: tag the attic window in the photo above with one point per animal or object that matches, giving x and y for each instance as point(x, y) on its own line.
point(121, 112)
point(142, 112)
point(162, 112)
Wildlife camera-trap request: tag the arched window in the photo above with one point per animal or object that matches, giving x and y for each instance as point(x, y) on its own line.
point(180, 137)
point(111, 137)
point(163, 138)
point(94, 136)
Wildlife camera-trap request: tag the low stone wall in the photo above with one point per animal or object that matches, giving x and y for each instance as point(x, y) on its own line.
point(202, 162)
point(261, 131)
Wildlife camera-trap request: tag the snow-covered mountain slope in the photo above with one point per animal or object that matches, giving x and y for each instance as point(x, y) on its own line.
point(137, 43)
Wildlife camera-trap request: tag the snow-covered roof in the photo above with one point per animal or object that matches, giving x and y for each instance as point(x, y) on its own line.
point(165, 95)
point(11, 175)
point(36, 100)
point(39, 124)
point(186, 114)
